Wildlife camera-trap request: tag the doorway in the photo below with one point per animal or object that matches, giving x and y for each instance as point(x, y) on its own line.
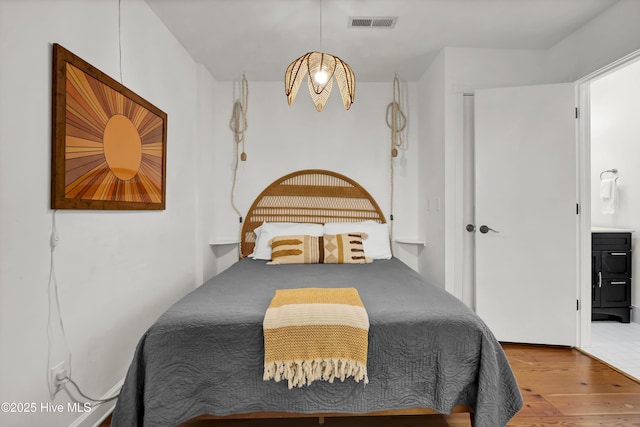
point(609, 136)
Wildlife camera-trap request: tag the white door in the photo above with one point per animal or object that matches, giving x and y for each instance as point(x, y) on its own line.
point(525, 187)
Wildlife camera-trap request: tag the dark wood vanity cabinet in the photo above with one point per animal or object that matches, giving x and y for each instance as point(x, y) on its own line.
point(611, 276)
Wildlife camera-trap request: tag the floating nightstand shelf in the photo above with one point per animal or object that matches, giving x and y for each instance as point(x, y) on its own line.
point(409, 241)
point(224, 242)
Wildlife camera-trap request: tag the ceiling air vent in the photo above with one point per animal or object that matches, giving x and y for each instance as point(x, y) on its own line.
point(372, 21)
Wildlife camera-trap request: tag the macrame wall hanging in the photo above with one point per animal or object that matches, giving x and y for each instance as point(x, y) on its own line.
point(397, 121)
point(238, 125)
point(238, 122)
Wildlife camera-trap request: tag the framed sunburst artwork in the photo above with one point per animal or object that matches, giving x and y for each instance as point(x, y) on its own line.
point(109, 144)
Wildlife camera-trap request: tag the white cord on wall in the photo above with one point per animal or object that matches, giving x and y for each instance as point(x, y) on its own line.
point(120, 38)
point(54, 305)
point(238, 125)
point(397, 121)
point(53, 294)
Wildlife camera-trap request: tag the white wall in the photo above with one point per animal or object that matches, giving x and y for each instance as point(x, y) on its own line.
point(281, 139)
point(208, 121)
point(117, 271)
point(608, 37)
point(615, 143)
point(431, 196)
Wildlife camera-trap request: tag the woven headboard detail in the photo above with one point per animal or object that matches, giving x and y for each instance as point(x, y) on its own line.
point(313, 195)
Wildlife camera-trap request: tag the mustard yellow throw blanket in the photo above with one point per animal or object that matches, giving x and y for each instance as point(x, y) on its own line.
point(315, 334)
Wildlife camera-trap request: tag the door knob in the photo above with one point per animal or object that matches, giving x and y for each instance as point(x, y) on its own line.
point(470, 228)
point(484, 229)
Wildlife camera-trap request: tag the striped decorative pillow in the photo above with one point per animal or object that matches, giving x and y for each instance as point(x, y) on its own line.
point(344, 248)
point(295, 249)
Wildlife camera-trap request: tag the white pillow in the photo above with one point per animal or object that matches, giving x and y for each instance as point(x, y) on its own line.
point(376, 246)
point(269, 230)
point(257, 232)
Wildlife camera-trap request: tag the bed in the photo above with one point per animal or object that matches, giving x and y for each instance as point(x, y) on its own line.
point(427, 352)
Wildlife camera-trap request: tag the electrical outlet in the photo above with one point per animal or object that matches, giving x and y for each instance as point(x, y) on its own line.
point(56, 378)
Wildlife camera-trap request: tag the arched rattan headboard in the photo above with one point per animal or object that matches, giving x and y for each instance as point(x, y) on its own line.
point(312, 195)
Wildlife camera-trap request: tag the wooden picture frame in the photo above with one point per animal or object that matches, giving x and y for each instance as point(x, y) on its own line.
point(108, 144)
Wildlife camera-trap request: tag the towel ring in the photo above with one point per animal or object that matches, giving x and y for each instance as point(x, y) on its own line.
point(608, 170)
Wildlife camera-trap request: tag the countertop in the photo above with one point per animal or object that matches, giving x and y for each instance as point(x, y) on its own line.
point(595, 229)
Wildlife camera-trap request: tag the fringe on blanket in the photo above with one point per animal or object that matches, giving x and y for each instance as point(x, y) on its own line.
point(304, 372)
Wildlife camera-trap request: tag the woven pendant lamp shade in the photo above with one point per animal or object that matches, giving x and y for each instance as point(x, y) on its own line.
point(330, 67)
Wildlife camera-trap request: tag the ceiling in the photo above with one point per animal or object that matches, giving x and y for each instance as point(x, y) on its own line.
point(261, 37)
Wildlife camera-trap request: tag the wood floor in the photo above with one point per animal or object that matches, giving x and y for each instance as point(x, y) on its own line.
point(561, 388)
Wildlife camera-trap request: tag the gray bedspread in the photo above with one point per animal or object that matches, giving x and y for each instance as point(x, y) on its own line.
point(426, 349)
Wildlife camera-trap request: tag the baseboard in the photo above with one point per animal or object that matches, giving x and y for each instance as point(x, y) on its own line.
point(99, 413)
point(635, 318)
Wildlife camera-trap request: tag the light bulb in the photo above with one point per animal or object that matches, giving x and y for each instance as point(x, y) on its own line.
point(321, 77)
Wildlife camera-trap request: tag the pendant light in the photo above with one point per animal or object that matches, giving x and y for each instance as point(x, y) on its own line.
point(320, 69)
